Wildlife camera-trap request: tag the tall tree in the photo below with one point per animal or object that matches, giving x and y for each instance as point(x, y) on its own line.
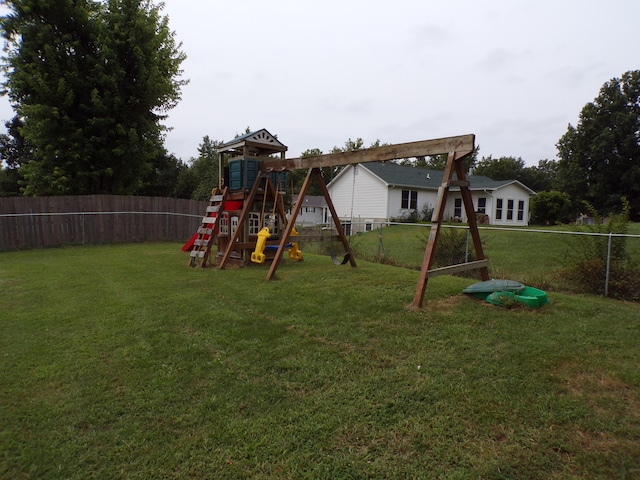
point(599, 159)
point(91, 82)
point(197, 180)
point(537, 178)
point(439, 162)
point(540, 177)
point(14, 151)
point(503, 168)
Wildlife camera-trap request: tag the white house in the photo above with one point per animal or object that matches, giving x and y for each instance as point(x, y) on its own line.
point(312, 211)
point(368, 194)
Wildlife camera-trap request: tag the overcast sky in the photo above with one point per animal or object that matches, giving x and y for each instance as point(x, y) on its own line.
point(316, 73)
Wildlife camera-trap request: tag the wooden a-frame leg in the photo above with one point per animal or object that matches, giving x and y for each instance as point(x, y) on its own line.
point(313, 172)
point(334, 216)
point(243, 215)
point(467, 200)
point(434, 233)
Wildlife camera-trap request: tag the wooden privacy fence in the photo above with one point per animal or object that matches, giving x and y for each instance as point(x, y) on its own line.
point(31, 222)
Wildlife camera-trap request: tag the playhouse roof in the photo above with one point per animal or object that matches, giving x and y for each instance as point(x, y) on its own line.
point(396, 175)
point(261, 140)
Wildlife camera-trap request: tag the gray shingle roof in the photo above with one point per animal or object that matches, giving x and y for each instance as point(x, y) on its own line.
point(427, 179)
point(312, 201)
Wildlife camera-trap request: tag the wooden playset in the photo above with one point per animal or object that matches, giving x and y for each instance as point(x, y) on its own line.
point(246, 216)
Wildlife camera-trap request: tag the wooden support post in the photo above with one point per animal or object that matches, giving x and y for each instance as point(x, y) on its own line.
point(312, 173)
point(246, 206)
point(289, 228)
point(454, 163)
point(434, 233)
point(334, 217)
point(471, 219)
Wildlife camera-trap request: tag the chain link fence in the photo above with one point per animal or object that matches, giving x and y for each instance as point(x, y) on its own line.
point(557, 259)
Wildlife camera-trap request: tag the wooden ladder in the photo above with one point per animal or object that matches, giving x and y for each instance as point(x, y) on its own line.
point(208, 231)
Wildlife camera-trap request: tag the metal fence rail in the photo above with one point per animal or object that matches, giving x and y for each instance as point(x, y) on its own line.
point(533, 256)
point(536, 257)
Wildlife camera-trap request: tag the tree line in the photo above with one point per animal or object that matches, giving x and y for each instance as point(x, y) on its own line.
point(90, 82)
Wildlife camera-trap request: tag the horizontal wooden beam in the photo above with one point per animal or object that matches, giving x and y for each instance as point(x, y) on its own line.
point(459, 183)
point(463, 145)
point(461, 267)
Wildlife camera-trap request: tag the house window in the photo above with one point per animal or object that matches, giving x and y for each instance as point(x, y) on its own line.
point(346, 228)
point(457, 208)
point(520, 210)
point(310, 209)
point(509, 209)
point(410, 199)
point(498, 209)
point(368, 225)
point(234, 224)
point(482, 205)
point(254, 223)
point(224, 224)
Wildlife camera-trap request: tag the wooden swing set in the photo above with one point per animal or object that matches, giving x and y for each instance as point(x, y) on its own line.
point(456, 148)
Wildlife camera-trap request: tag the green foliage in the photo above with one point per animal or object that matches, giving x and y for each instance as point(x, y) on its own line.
point(9, 182)
point(588, 260)
point(550, 208)
point(454, 247)
point(503, 168)
point(439, 162)
point(600, 157)
point(538, 178)
point(204, 169)
point(91, 82)
point(328, 173)
point(163, 180)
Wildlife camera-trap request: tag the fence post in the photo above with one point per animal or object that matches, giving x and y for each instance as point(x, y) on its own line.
point(606, 277)
point(466, 249)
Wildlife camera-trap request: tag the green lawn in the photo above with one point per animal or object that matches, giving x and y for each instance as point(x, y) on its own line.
point(122, 362)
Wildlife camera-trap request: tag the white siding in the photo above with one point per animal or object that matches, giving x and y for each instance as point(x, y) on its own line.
point(428, 197)
point(508, 193)
point(369, 201)
point(375, 201)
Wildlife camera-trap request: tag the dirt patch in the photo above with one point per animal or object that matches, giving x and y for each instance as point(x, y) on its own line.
point(443, 305)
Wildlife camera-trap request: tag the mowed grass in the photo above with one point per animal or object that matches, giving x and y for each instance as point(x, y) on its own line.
point(122, 362)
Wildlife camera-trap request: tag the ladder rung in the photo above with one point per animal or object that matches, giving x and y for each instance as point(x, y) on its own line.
point(205, 231)
point(209, 220)
point(198, 253)
point(213, 208)
point(216, 198)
